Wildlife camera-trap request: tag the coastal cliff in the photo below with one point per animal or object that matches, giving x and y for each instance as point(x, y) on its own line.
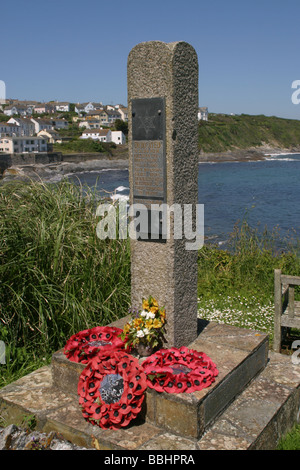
point(244, 133)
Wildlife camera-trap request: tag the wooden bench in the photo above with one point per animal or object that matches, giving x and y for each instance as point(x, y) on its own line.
point(287, 310)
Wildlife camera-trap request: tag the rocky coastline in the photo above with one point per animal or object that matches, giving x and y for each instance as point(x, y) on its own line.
point(54, 172)
point(244, 155)
point(81, 163)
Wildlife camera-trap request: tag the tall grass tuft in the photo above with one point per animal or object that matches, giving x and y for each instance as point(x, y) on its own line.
point(57, 277)
point(236, 286)
point(247, 266)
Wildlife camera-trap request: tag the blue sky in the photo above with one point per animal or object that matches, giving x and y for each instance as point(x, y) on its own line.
point(70, 50)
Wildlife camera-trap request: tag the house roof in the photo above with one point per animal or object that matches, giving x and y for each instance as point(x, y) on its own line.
point(17, 106)
point(8, 124)
point(96, 111)
point(112, 112)
point(23, 120)
point(49, 132)
point(46, 122)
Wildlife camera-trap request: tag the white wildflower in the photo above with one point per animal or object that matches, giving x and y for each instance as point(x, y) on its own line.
point(150, 315)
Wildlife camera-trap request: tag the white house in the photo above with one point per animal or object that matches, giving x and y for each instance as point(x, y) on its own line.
point(103, 135)
point(7, 129)
point(90, 124)
point(123, 113)
point(19, 109)
point(41, 124)
point(118, 137)
point(24, 108)
point(26, 126)
point(203, 114)
point(62, 106)
point(25, 144)
point(87, 107)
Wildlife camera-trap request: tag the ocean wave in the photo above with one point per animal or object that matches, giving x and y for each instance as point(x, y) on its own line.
point(282, 159)
point(120, 197)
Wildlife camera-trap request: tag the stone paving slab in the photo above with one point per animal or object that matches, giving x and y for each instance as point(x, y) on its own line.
point(263, 413)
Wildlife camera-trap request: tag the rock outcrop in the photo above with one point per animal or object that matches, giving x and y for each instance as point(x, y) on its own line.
point(14, 438)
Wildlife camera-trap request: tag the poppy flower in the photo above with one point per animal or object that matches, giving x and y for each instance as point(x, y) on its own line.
point(111, 389)
point(82, 346)
point(179, 370)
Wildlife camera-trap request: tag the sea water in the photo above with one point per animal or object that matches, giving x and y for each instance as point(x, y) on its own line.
point(264, 193)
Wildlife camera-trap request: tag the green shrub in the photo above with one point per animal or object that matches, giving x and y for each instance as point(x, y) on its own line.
point(57, 277)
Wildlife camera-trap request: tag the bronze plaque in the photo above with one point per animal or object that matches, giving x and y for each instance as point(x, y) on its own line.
point(149, 159)
point(148, 151)
point(148, 119)
point(148, 171)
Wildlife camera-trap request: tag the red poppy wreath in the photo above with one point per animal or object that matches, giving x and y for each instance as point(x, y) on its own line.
point(111, 389)
point(179, 370)
point(82, 346)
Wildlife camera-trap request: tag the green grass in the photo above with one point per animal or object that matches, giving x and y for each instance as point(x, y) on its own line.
point(80, 146)
point(225, 132)
point(291, 441)
point(236, 286)
point(57, 276)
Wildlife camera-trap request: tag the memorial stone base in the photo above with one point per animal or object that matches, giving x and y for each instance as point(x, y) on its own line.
point(253, 402)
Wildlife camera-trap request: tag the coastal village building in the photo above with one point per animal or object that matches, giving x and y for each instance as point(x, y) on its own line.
point(118, 137)
point(23, 144)
point(87, 107)
point(203, 114)
point(91, 124)
point(44, 108)
point(62, 106)
point(41, 124)
point(26, 126)
point(60, 123)
point(48, 124)
point(52, 136)
point(123, 113)
point(21, 110)
point(106, 117)
point(103, 135)
point(112, 116)
point(9, 130)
